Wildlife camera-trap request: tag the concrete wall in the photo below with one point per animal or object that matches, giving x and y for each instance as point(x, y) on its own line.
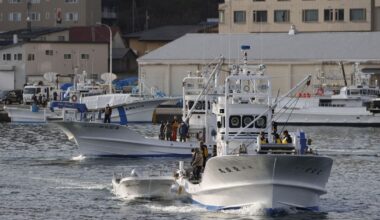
point(295, 7)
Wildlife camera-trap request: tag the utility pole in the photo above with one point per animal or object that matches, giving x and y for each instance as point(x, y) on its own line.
point(146, 19)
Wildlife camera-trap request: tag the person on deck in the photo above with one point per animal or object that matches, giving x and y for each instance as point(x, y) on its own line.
point(197, 164)
point(277, 139)
point(175, 126)
point(263, 139)
point(162, 131)
point(286, 139)
point(168, 131)
point(107, 114)
point(183, 130)
point(204, 151)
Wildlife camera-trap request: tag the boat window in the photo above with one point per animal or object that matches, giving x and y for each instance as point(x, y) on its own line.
point(235, 121)
point(261, 122)
point(247, 119)
point(355, 92)
point(348, 92)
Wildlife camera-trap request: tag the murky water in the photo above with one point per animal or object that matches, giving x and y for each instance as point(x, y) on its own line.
point(41, 177)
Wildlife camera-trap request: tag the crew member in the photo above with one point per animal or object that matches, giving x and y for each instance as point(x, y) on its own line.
point(286, 139)
point(107, 114)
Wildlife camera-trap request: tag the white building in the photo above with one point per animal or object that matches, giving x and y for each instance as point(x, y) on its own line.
point(28, 61)
point(288, 57)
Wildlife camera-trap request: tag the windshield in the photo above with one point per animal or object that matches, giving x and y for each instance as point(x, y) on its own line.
point(29, 90)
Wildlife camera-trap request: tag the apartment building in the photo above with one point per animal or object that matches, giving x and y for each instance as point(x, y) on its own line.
point(28, 61)
point(256, 16)
point(15, 14)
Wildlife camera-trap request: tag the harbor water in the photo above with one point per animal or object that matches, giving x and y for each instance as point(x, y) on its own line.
point(42, 176)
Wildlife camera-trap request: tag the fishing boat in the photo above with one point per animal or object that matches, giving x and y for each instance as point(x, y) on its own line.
point(350, 107)
point(137, 185)
point(100, 139)
point(247, 172)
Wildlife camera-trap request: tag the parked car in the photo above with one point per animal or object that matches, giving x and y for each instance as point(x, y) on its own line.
point(11, 96)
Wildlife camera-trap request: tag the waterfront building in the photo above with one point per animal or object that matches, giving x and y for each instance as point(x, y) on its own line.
point(288, 58)
point(18, 14)
point(26, 62)
point(258, 16)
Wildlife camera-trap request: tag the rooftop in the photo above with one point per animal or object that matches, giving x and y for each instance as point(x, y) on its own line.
point(327, 46)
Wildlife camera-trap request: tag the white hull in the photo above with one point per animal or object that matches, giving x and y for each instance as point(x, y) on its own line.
point(143, 187)
point(24, 115)
point(355, 116)
point(272, 181)
point(138, 111)
point(99, 139)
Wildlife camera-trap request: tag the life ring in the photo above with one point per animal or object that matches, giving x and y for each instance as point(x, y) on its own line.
point(74, 98)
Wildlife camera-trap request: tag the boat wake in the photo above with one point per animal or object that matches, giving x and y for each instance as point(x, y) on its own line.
point(78, 158)
point(181, 208)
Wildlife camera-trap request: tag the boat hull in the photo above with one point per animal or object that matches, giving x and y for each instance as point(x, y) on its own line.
point(271, 181)
point(148, 187)
point(99, 139)
point(329, 116)
point(24, 115)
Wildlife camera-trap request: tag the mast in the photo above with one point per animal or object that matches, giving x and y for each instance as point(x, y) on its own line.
point(343, 72)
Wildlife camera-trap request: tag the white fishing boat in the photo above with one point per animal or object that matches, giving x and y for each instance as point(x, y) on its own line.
point(26, 115)
point(351, 107)
point(246, 172)
point(99, 139)
point(138, 185)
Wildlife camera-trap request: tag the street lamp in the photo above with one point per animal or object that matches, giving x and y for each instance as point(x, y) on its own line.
point(110, 72)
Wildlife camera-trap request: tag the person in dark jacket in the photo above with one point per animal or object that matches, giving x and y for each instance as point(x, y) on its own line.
point(162, 131)
point(107, 114)
point(168, 131)
point(183, 130)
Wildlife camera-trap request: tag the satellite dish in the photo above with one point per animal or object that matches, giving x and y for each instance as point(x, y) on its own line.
point(50, 76)
point(108, 77)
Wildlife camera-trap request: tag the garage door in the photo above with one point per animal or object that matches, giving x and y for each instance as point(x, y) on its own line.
point(7, 80)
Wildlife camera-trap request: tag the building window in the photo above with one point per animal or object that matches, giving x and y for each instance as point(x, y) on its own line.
point(85, 56)
point(30, 56)
point(334, 15)
point(71, 1)
point(221, 17)
point(329, 14)
point(67, 56)
point(47, 15)
point(339, 14)
point(239, 16)
point(17, 56)
point(35, 1)
point(14, 16)
point(310, 15)
point(357, 14)
point(260, 16)
point(14, 1)
point(49, 52)
point(71, 16)
point(35, 16)
point(7, 56)
point(281, 16)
